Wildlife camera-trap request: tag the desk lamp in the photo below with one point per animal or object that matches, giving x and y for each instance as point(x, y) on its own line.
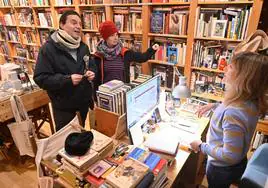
point(181, 90)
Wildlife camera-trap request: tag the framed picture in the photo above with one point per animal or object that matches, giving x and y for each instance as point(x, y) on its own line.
point(218, 28)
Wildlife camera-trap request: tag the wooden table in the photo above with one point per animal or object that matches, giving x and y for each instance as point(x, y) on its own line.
point(183, 171)
point(36, 104)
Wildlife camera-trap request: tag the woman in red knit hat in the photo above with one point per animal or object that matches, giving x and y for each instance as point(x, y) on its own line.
point(112, 59)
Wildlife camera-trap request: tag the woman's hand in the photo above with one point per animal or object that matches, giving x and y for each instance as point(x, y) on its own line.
point(155, 47)
point(203, 109)
point(195, 145)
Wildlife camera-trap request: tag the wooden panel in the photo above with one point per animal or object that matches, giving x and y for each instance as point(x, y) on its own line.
point(106, 121)
point(262, 126)
point(31, 100)
point(254, 17)
point(190, 40)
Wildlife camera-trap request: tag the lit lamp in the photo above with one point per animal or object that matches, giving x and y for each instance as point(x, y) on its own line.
point(181, 90)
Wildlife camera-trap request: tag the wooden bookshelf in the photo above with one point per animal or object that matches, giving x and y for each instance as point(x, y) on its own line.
point(146, 35)
point(208, 96)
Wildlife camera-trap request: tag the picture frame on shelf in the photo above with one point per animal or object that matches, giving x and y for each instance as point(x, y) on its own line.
point(218, 28)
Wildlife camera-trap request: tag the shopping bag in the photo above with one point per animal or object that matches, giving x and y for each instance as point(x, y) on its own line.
point(256, 42)
point(22, 129)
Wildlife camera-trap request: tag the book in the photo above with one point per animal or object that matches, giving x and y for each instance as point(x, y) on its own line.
point(81, 162)
point(94, 181)
point(111, 85)
point(100, 141)
point(172, 53)
point(128, 174)
point(157, 20)
point(152, 160)
point(99, 168)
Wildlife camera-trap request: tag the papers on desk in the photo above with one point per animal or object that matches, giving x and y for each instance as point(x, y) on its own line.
point(188, 123)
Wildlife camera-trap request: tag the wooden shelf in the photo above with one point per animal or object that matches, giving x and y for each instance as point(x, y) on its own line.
point(31, 60)
point(167, 35)
point(41, 27)
point(207, 69)
point(163, 63)
point(26, 26)
point(130, 33)
point(31, 44)
point(208, 96)
point(91, 5)
point(171, 3)
point(218, 39)
point(22, 7)
point(5, 7)
point(14, 42)
point(40, 6)
point(64, 6)
point(225, 3)
point(125, 5)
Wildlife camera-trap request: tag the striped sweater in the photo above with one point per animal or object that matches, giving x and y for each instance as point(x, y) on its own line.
point(230, 133)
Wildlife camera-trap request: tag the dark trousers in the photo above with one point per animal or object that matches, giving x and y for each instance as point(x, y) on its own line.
point(63, 117)
point(223, 177)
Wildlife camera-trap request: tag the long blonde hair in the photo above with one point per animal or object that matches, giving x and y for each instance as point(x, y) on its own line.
point(251, 81)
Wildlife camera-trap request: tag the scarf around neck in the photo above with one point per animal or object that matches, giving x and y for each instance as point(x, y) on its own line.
point(108, 52)
point(67, 40)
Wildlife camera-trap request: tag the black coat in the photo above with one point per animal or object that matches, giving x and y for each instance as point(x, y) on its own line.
point(53, 73)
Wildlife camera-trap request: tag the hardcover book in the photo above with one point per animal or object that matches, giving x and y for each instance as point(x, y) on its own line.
point(100, 141)
point(81, 162)
point(172, 52)
point(157, 22)
point(99, 168)
point(127, 174)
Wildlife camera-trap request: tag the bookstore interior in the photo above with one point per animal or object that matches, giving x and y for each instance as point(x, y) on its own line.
point(139, 132)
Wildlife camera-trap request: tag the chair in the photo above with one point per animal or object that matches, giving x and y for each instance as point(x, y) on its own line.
point(256, 173)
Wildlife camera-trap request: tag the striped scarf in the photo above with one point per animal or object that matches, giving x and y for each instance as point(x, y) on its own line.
point(67, 40)
point(107, 52)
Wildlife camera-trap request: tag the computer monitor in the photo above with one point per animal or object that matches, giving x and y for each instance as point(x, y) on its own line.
point(142, 101)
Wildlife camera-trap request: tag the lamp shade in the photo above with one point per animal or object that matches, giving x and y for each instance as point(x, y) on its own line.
point(181, 90)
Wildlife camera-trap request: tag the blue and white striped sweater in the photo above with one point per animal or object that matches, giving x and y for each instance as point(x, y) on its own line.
point(230, 133)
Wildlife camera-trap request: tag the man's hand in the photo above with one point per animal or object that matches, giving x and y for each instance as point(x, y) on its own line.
point(76, 78)
point(155, 47)
point(90, 75)
point(195, 145)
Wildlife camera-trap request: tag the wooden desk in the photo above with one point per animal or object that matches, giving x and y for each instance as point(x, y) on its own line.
point(183, 172)
point(36, 104)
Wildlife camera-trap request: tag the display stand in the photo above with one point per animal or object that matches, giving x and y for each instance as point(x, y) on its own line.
point(110, 123)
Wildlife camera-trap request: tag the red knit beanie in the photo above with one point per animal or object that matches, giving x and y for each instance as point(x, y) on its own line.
point(107, 28)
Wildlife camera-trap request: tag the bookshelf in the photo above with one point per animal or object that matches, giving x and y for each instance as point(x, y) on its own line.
point(26, 25)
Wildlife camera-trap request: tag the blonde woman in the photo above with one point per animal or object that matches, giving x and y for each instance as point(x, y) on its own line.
point(234, 121)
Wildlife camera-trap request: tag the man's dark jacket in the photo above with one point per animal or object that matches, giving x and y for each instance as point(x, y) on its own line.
point(53, 73)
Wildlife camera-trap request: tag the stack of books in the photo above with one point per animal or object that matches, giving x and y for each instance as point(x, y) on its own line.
point(79, 165)
point(111, 96)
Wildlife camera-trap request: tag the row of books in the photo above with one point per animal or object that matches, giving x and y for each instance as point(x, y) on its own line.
point(228, 22)
point(260, 138)
point(133, 168)
point(91, 40)
point(170, 20)
point(29, 36)
point(63, 2)
point(4, 49)
point(40, 2)
point(92, 19)
point(169, 1)
point(212, 55)
point(207, 82)
point(25, 17)
point(128, 20)
point(166, 73)
point(89, 2)
point(171, 51)
point(5, 3)
point(111, 96)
